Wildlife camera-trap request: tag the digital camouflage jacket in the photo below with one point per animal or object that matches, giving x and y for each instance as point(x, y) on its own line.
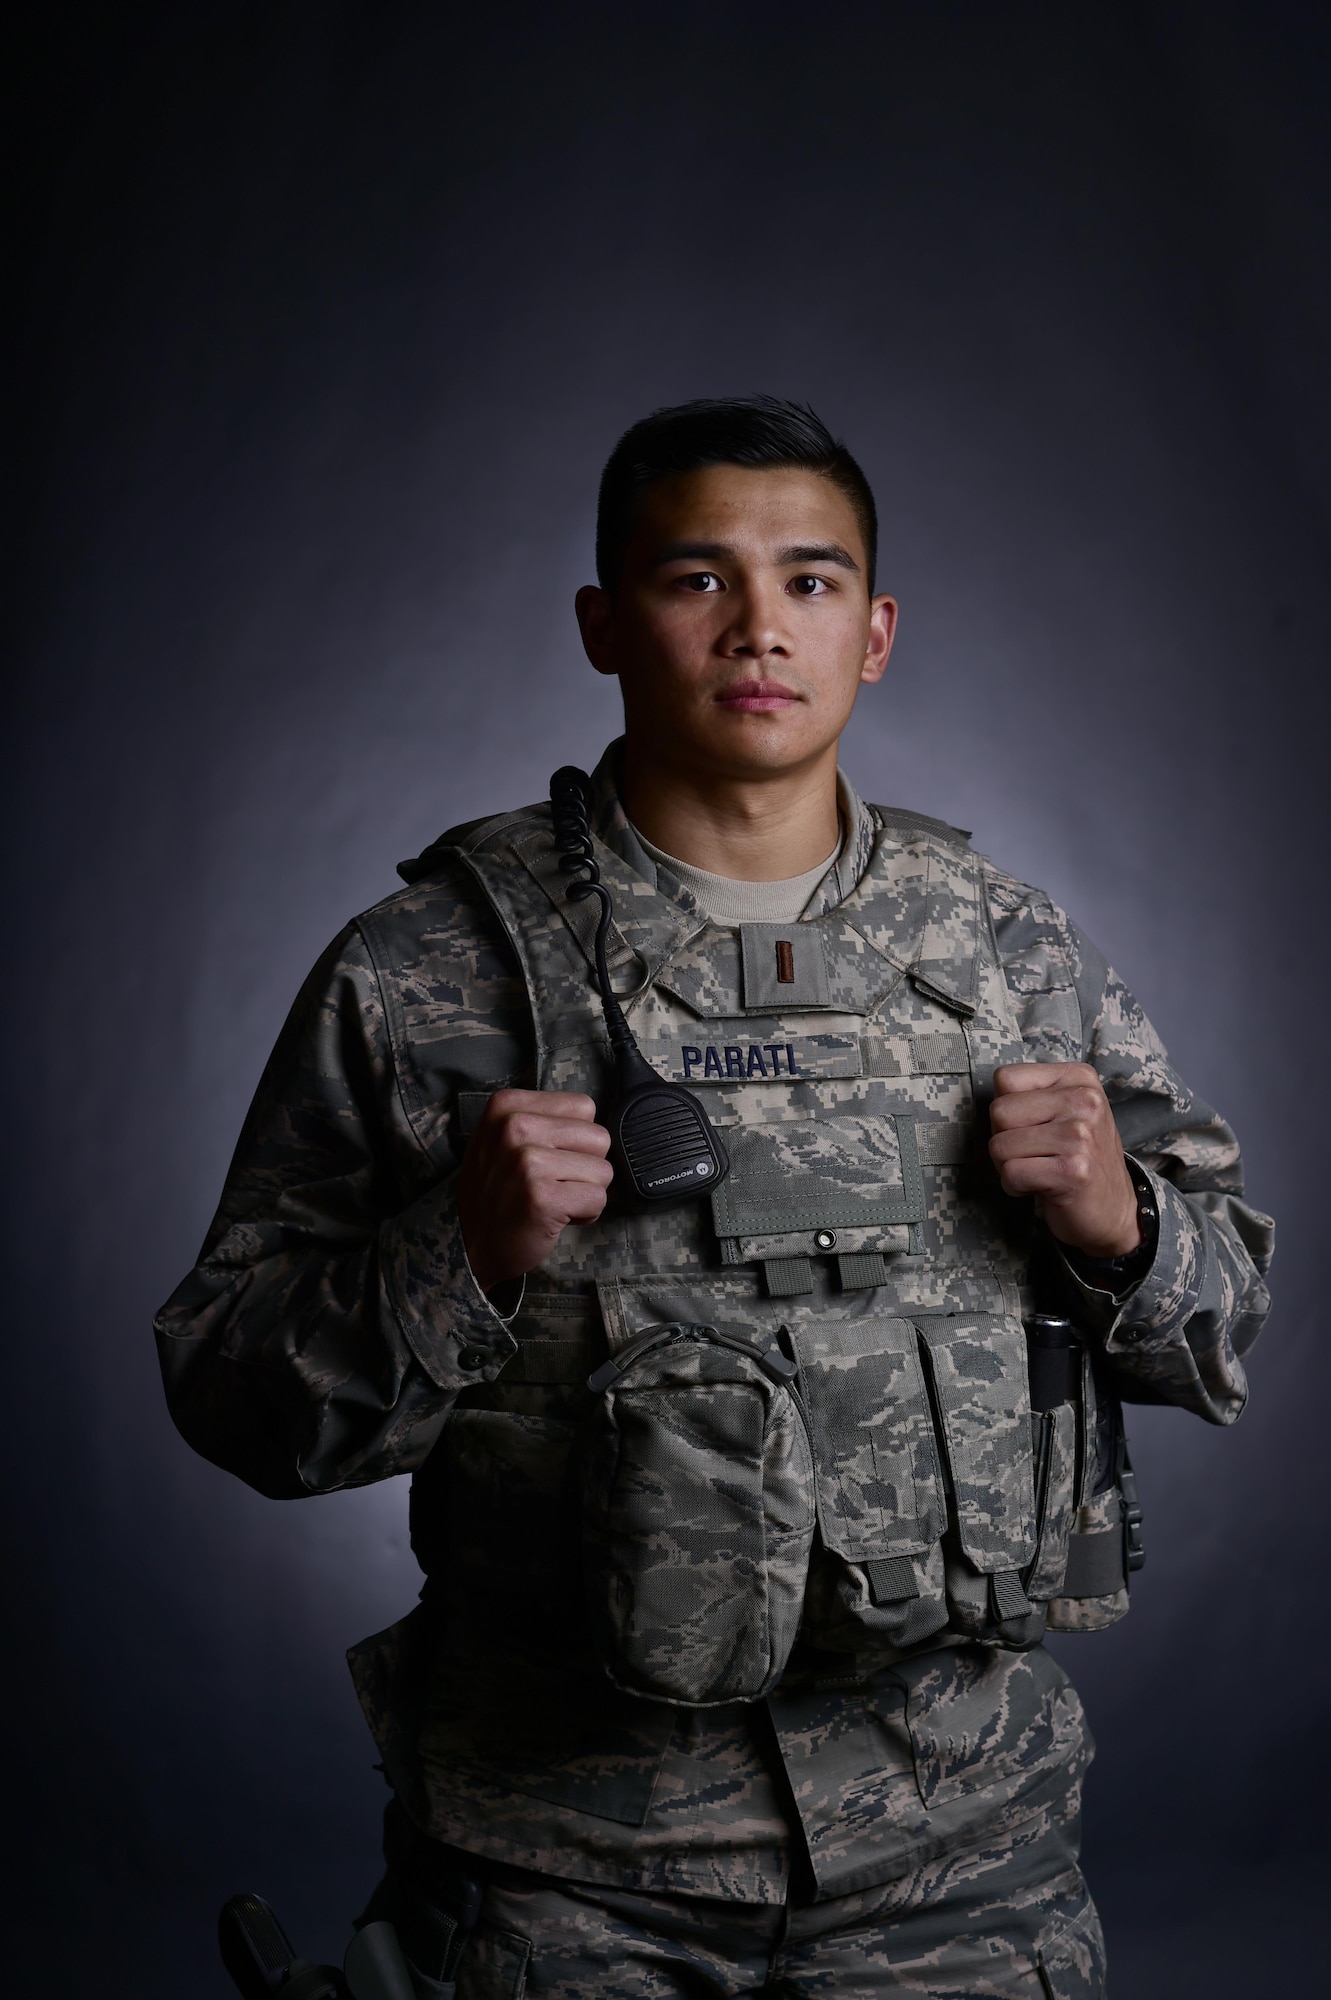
point(332, 1333)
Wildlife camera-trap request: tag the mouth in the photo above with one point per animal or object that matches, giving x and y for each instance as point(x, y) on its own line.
point(757, 698)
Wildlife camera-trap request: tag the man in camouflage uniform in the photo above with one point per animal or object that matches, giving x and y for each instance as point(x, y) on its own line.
point(612, 1774)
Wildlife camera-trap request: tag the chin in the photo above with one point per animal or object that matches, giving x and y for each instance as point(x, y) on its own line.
point(758, 753)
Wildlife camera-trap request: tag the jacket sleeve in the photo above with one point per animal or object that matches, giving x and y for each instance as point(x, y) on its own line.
point(1180, 1333)
point(332, 1316)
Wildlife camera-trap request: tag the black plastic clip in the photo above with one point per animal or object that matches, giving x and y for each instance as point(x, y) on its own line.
point(1134, 1551)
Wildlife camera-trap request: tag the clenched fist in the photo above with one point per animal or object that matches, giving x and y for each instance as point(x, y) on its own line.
point(536, 1162)
point(1054, 1136)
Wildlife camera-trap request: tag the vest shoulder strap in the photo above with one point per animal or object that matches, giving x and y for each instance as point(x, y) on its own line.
point(901, 819)
point(465, 838)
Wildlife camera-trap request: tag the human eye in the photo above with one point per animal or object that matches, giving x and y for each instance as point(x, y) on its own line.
point(809, 586)
point(701, 581)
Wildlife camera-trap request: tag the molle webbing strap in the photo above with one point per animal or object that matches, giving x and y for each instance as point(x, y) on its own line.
point(1095, 1564)
point(1007, 1599)
point(788, 1277)
point(892, 1579)
point(940, 1055)
point(858, 1270)
point(914, 1055)
point(878, 1057)
point(557, 1362)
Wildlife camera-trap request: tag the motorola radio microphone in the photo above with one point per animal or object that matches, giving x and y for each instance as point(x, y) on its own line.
point(663, 1144)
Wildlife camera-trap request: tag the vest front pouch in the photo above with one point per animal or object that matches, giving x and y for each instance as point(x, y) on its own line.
point(698, 1516)
point(881, 1504)
point(926, 1493)
point(977, 1367)
point(841, 1176)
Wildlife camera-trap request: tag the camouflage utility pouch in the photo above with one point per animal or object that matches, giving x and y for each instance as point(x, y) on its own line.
point(922, 1436)
point(699, 1509)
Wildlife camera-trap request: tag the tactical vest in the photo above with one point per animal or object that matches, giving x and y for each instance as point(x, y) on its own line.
point(847, 1062)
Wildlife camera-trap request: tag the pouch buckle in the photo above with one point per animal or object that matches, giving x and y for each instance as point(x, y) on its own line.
point(1134, 1551)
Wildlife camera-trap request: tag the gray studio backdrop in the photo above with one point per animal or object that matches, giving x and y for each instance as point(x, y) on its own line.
point(335, 314)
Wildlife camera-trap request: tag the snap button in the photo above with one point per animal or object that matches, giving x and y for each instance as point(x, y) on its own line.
point(1132, 1334)
point(824, 1239)
point(471, 1358)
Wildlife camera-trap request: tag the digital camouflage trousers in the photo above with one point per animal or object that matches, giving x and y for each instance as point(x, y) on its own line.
point(1005, 1918)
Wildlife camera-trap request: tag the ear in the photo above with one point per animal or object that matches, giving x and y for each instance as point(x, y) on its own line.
point(595, 609)
point(882, 631)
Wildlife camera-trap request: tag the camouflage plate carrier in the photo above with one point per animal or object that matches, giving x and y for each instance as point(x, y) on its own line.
point(846, 1061)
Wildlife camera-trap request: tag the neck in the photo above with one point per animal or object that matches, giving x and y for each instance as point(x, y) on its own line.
point(762, 829)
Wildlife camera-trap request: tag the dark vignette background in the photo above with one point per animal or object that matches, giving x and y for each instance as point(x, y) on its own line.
point(333, 313)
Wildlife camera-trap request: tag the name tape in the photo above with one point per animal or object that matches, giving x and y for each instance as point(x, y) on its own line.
point(738, 1063)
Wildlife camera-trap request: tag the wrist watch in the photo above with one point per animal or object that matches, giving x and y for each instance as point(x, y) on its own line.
point(1133, 1264)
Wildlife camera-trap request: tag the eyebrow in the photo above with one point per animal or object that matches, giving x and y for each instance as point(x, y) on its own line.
point(802, 552)
point(808, 552)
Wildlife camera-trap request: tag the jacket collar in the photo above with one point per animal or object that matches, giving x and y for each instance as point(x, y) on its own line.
point(611, 824)
point(910, 894)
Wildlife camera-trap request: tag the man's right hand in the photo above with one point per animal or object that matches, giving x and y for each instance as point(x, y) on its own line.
point(536, 1162)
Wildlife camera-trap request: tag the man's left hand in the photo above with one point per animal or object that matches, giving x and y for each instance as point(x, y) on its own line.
point(1054, 1136)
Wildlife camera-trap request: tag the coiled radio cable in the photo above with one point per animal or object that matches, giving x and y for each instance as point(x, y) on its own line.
point(663, 1146)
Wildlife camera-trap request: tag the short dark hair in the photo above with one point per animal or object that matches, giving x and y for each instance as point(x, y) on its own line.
point(721, 430)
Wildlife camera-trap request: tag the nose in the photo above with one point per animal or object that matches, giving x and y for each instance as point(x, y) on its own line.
point(758, 624)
